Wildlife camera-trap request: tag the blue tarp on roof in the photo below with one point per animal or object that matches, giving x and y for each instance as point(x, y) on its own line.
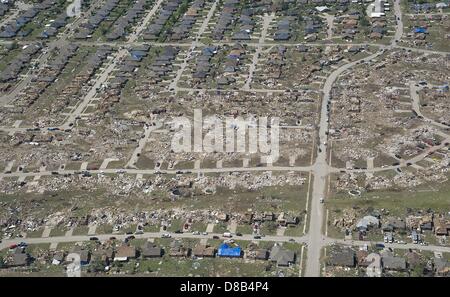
point(227, 251)
point(420, 30)
point(139, 53)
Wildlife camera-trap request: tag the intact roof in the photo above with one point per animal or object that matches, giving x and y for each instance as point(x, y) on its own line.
point(282, 256)
point(151, 250)
point(282, 35)
point(394, 263)
point(199, 74)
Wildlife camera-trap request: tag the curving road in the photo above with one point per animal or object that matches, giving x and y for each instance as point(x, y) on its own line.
point(321, 169)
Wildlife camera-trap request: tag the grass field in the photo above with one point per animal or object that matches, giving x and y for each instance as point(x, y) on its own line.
point(423, 197)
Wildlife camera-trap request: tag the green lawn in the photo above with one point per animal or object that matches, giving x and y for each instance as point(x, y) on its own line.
point(58, 231)
point(104, 229)
point(396, 201)
point(220, 228)
point(175, 225)
point(244, 229)
point(81, 230)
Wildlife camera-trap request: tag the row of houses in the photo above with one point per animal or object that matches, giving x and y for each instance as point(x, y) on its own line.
point(233, 14)
point(226, 18)
point(153, 31)
point(52, 28)
point(427, 7)
point(250, 217)
point(126, 70)
point(72, 92)
point(350, 26)
point(439, 224)
point(13, 27)
point(46, 76)
point(375, 263)
point(234, 58)
point(21, 61)
point(121, 24)
point(4, 8)
point(283, 218)
point(162, 65)
point(245, 25)
point(181, 30)
point(284, 28)
point(317, 2)
point(277, 254)
point(86, 29)
point(203, 63)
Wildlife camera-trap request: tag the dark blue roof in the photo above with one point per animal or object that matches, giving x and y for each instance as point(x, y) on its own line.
point(139, 53)
point(227, 251)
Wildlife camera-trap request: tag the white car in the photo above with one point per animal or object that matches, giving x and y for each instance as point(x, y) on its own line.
point(166, 235)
